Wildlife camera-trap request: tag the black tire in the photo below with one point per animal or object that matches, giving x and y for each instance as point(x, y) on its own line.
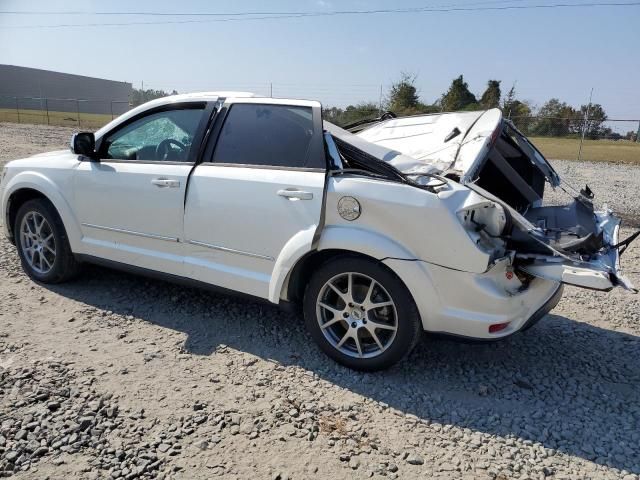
point(407, 317)
point(64, 265)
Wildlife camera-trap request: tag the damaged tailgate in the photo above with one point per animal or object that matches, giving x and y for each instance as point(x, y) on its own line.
point(572, 244)
point(601, 272)
point(591, 261)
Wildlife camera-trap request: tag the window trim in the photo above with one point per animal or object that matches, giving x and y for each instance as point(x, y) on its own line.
point(196, 145)
point(262, 167)
point(316, 159)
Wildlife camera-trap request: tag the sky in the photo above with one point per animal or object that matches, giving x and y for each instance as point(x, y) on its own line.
point(560, 52)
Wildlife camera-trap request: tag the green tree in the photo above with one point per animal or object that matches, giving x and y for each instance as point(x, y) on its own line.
point(402, 99)
point(521, 112)
point(403, 94)
point(518, 111)
point(491, 96)
point(508, 102)
point(458, 97)
point(351, 114)
point(592, 125)
point(139, 96)
point(556, 119)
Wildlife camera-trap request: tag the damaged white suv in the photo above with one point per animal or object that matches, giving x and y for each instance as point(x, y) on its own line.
point(432, 222)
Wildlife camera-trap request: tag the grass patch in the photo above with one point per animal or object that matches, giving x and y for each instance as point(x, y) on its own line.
point(620, 151)
point(88, 121)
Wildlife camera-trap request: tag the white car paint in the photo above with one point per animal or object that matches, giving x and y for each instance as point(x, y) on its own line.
point(142, 223)
point(238, 228)
point(420, 139)
point(258, 223)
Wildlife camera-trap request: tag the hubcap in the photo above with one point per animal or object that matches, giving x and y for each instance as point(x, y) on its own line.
point(357, 315)
point(37, 242)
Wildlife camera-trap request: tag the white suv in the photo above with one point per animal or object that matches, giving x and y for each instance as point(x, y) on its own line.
point(432, 222)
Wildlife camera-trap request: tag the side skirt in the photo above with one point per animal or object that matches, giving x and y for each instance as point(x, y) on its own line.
point(287, 306)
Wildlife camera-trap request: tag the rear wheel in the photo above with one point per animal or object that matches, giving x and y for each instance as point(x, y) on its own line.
point(42, 243)
point(361, 314)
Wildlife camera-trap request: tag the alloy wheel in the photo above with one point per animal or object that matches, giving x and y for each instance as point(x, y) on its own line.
point(357, 315)
point(37, 242)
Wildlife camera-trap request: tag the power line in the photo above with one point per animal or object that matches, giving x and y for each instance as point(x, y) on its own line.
point(234, 14)
point(246, 16)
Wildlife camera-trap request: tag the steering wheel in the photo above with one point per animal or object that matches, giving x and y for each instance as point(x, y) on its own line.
point(164, 148)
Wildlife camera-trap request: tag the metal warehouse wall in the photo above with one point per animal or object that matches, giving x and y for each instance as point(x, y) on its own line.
point(61, 91)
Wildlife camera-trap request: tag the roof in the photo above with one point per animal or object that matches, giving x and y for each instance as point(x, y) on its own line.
point(244, 97)
point(210, 95)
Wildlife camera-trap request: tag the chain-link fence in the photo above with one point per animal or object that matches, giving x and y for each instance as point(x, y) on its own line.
point(566, 138)
point(579, 137)
point(72, 112)
point(575, 127)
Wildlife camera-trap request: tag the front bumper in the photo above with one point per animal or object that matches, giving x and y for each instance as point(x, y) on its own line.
point(466, 304)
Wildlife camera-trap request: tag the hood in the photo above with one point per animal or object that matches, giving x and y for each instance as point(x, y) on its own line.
point(54, 153)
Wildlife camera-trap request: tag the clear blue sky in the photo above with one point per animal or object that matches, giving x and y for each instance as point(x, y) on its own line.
point(344, 59)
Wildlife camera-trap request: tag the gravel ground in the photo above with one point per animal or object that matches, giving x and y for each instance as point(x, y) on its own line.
point(116, 376)
point(614, 185)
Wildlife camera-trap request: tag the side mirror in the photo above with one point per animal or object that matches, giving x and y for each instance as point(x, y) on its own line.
point(84, 143)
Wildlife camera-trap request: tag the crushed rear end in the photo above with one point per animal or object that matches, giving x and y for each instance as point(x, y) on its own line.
point(570, 242)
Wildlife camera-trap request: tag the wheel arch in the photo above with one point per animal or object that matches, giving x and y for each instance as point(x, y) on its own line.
point(15, 201)
point(298, 278)
point(337, 240)
point(30, 185)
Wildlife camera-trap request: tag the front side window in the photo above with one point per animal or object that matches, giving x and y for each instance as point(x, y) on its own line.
point(270, 135)
point(161, 136)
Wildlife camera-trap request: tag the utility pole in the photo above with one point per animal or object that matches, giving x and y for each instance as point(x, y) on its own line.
point(584, 126)
point(638, 133)
point(271, 89)
point(41, 109)
point(380, 107)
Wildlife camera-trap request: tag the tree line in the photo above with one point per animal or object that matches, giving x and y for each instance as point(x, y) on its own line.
point(554, 118)
point(139, 96)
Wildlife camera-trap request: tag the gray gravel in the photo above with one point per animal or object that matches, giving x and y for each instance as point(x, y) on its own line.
point(115, 376)
point(21, 140)
point(615, 185)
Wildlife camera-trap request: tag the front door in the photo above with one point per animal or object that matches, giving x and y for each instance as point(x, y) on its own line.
point(130, 203)
point(259, 194)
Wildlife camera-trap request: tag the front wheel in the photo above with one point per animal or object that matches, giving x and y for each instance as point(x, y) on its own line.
point(361, 314)
point(42, 243)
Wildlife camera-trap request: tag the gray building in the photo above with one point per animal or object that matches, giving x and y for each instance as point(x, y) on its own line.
point(27, 88)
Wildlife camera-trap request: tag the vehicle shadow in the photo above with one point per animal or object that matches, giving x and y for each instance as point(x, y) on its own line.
point(556, 384)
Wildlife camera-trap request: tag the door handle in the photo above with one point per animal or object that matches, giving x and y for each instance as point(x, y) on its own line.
point(165, 183)
point(294, 194)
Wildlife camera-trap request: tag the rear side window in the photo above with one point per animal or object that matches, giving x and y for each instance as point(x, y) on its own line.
point(270, 135)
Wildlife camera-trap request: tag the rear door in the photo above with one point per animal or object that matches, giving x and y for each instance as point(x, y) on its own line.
point(258, 192)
